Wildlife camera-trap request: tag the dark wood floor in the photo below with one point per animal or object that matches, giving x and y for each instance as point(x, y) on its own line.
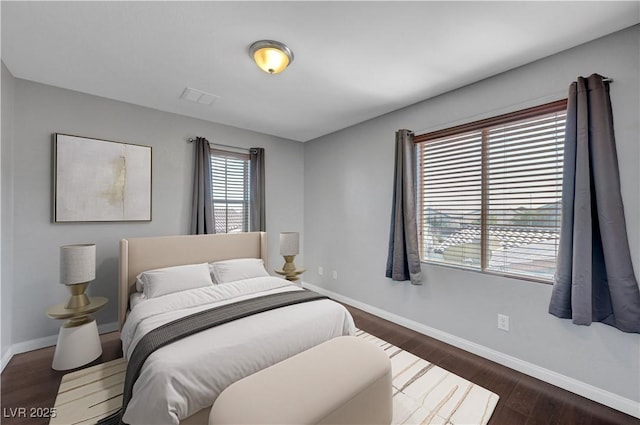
point(29, 382)
point(523, 399)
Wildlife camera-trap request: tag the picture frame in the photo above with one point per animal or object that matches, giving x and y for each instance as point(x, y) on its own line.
point(99, 180)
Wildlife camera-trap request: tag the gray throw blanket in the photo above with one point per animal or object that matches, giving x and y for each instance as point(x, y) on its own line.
point(194, 323)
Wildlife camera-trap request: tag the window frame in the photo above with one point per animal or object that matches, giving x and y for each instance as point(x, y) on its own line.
point(246, 203)
point(483, 127)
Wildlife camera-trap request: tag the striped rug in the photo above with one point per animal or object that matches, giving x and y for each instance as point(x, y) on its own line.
point(90, 394)
point(427, 394)
point(423, 392)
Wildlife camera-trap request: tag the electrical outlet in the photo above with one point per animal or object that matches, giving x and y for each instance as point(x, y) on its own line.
point(320, 270)
point(335, 275)
point(503, 322)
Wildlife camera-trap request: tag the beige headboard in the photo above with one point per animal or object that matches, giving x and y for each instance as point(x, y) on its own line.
point(140, 254)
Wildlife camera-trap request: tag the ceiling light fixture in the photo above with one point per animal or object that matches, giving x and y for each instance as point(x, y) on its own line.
point(271, 56)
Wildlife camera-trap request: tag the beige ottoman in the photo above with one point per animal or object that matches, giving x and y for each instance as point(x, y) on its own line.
point(343, 381)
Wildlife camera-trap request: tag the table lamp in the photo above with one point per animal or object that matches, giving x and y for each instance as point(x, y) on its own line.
point(289, 248)
point(77, 269)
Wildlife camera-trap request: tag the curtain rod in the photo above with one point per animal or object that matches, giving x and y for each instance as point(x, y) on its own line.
point(191, 139)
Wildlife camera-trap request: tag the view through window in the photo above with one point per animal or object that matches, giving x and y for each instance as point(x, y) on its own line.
point(489, 193)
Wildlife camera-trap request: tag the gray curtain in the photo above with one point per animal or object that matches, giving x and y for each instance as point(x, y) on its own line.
point(403, 260)
point(256, 190)
point(594, 279)
point(202, 220)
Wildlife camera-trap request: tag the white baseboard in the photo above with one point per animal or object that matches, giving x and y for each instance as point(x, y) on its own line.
point(47, 341)
point(591, 392)
point(6, 358)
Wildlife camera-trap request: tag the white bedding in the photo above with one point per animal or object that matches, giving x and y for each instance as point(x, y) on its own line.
point(182, 378)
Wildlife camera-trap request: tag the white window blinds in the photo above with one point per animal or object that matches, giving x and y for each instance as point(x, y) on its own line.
point(230, 186)
point(490, 193)
point(451, 183)
point(524, 195)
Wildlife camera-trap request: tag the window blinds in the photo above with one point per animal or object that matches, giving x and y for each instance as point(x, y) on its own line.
point(230, 186)
point(490, 194)
point(451, 190)
point(524, 195)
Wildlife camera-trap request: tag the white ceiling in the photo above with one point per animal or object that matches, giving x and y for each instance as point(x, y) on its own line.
point(353, 60)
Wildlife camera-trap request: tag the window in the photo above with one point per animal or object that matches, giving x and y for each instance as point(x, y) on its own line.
point(489, 193)
point(230, 186)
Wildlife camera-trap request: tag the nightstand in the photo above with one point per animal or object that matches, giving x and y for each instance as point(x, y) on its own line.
point(291, 276)
point(78, 339)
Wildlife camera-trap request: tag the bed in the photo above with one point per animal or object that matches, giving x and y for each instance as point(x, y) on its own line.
point(179, 382)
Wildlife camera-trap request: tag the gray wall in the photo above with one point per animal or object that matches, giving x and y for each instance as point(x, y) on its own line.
point(40, 111)
point(6, 220)
point(348, 182)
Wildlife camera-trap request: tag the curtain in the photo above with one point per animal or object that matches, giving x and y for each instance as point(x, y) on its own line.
point(403, 260)
point(594, 279)
point(202, 220)
point(256, 190)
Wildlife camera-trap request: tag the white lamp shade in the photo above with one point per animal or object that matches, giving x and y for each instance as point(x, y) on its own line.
point(77, 263)
point(289, 243)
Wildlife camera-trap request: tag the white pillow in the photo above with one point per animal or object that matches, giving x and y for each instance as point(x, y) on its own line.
point(237, 269)
point(174, 279)
point(135, 299)
point(140, 283)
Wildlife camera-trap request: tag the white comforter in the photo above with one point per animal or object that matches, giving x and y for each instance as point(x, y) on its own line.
point(182, 378)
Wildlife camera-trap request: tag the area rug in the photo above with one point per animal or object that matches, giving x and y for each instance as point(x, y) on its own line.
point(427, 394)
point(90, 394)
point(422, 392)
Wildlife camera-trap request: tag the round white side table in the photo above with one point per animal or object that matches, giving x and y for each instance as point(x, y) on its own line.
point(78, 339)
point(77, 346)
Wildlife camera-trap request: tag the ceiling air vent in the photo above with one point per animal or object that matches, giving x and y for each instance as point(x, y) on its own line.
point(199, 96)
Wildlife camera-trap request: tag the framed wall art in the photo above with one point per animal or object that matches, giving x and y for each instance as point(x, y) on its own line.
point(100, 180)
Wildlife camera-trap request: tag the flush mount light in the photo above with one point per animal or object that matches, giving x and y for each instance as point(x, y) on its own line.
point(271, 56)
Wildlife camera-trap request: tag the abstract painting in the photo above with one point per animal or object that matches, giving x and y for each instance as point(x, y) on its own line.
point(100, 180)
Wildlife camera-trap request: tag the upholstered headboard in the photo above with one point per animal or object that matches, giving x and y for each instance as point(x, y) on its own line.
point(141, 254)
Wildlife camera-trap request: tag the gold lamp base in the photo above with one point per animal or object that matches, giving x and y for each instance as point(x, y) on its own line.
point(289, 269)
point(78, 298)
